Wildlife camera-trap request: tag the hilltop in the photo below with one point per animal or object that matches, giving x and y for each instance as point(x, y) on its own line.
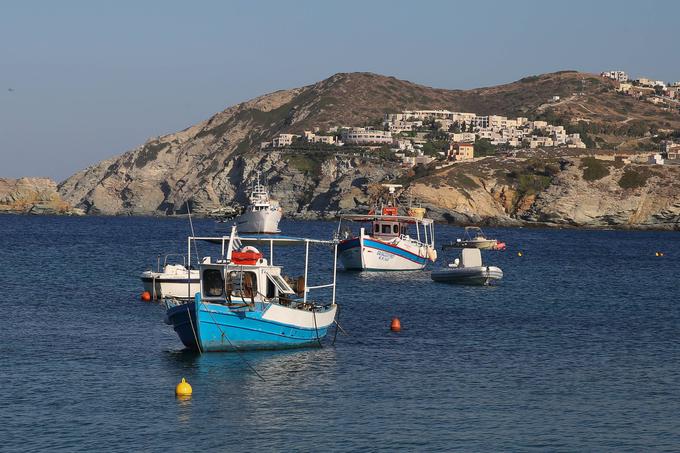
point(211, 163)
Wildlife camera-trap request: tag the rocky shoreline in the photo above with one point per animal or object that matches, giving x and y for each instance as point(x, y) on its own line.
point(34, 196)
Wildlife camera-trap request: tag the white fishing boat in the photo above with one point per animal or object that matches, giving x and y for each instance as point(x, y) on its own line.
point(261, 216)
point(468, 270)
point(394, 242)
point(244, 302)
point(173, 280)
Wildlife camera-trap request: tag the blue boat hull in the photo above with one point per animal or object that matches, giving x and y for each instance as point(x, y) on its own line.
point(216, 327)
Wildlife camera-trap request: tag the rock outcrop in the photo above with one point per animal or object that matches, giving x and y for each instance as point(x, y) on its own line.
point(553, 192)
point(32, 196)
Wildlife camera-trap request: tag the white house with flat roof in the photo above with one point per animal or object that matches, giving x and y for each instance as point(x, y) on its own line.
point(366, 136)
point(619, 76)
point(283, 140)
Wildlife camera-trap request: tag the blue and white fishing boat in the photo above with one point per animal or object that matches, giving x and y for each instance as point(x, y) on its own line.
point(245, 302)
point(391, 244)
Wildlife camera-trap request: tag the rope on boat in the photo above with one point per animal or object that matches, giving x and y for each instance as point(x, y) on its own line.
point(337, 325)
point(234, 346)
point(316, 328)
point(198, 345)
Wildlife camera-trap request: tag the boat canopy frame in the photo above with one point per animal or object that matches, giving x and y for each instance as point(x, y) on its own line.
point(427, 224)
point(227, 247)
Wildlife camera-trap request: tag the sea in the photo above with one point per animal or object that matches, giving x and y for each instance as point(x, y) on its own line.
point(577, 349)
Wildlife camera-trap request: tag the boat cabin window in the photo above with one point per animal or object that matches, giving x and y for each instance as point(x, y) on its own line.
point(213, 283)
point(390, 228)
point(242, 283)
point(280, 284)
point(403, 229)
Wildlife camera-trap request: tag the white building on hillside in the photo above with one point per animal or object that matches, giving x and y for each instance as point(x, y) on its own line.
point(366, 136)
point(311, 137)
point(619, 76)
point(283, 140)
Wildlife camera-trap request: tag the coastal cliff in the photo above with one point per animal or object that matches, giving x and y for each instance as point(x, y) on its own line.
point(557, 192)
point(213, 163)
point(32, 196)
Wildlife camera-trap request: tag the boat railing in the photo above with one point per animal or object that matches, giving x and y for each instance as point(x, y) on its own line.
point(228, 243)
point(165, 260)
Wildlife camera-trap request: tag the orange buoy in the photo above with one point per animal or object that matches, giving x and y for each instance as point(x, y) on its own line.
point(146, 296)
point(396, 325)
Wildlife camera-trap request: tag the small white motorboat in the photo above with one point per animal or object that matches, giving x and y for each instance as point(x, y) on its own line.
point(474, 237)
point(468, 270)
point(175, 280)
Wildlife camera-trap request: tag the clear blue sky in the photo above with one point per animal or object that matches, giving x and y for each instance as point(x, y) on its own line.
point(92, 79)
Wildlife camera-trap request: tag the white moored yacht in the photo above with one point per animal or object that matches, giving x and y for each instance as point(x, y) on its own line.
point(261, 216)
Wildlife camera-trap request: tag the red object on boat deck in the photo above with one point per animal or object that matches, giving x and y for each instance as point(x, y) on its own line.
point(245, 258)
point(396, 325)
point(390, 210)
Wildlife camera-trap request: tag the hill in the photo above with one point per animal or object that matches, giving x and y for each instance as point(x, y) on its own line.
point(210, 164)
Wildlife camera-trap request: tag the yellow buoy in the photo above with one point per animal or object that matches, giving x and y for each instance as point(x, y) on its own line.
point(183, 388)
point(657, 254)
point(519, 253)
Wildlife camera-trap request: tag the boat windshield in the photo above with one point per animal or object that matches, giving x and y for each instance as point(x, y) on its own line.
point(280, 284)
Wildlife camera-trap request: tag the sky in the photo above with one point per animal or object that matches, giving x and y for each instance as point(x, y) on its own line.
point(82, 81)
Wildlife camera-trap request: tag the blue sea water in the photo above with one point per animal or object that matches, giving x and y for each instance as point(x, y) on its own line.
point(576, 349)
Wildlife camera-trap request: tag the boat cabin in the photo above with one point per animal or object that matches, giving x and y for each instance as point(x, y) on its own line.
point(387, 228)
point(243, 283)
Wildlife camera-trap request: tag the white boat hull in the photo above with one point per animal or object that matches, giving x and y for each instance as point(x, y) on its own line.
point(365, 253)
point(265, 221)
point(177, 286)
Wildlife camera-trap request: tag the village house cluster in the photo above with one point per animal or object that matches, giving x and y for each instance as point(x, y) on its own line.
point(407, 134)
point(654, 91)
point(465, 127)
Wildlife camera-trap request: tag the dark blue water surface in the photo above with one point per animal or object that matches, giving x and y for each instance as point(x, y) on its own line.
point(577, 349)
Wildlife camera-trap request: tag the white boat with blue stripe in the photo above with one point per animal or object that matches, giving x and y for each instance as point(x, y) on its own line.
point(393, 243)
point(245, 303)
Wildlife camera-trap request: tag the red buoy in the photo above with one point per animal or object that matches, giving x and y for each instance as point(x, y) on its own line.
point(396, 325)
point(146, 296)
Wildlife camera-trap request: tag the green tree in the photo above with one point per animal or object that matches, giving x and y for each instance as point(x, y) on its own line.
point(483, 147)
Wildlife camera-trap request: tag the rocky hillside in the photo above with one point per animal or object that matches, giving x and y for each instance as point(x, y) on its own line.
point(32, 196)
point(554, 190)
point(212, 163)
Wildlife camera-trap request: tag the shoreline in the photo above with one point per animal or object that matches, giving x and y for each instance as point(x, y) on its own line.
point(486, 223)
